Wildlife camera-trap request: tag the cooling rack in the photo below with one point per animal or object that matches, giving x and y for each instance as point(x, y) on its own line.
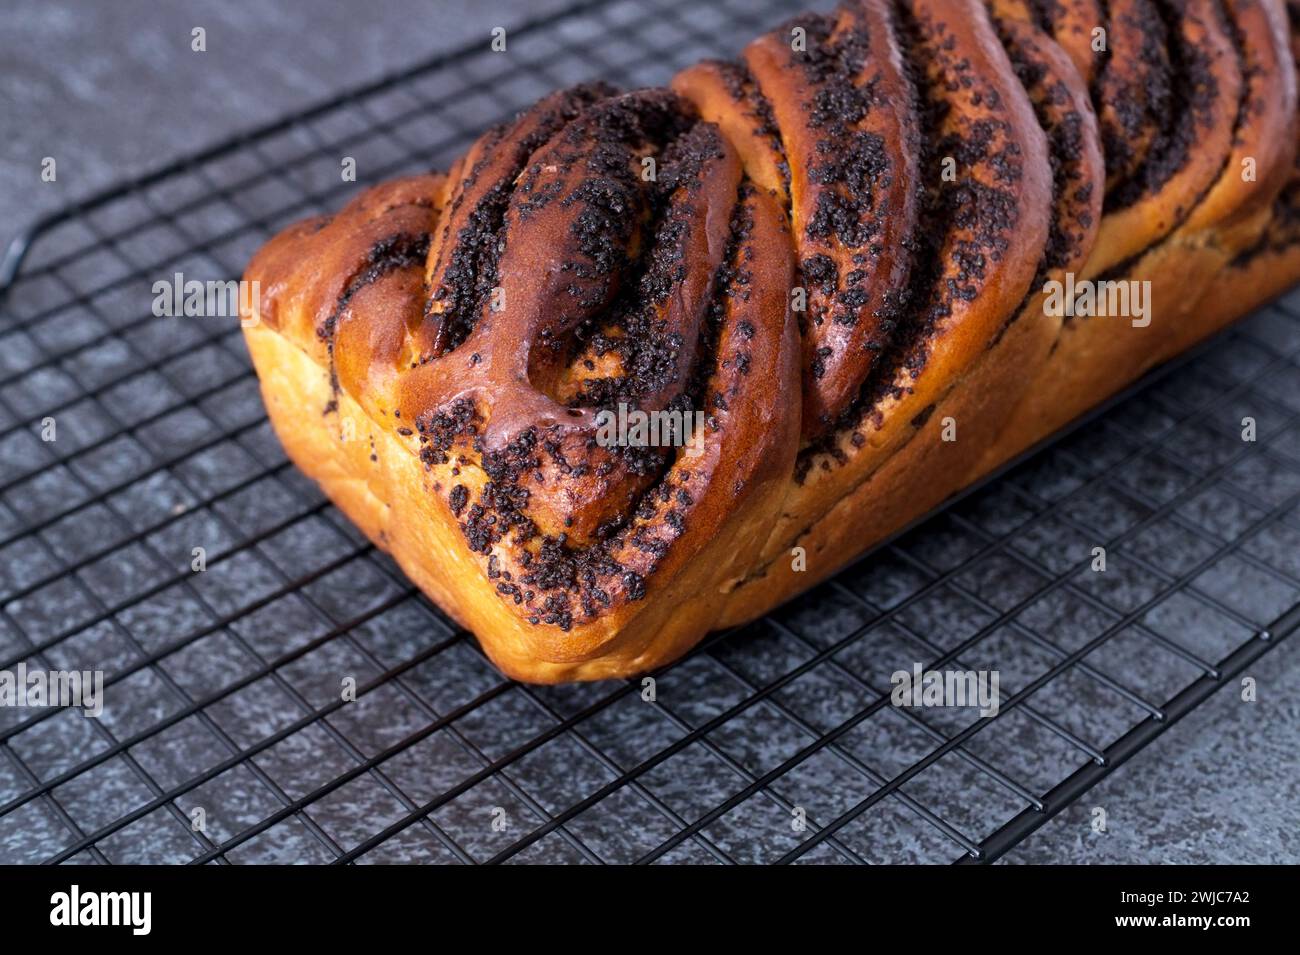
point(225, 737)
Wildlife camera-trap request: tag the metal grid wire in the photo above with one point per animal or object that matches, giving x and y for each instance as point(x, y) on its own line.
point(223, 687)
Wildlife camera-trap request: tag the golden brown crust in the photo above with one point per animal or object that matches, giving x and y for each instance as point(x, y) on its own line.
point(1075, 25)
point(846, 112)
point(443, 353)
point(1264, 140)
point(1190, 138)
point(725, 94)
point(363, 407)
point(1097, 355)
point(982, 235)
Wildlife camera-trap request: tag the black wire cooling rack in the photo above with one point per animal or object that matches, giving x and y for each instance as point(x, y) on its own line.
point(223, 686)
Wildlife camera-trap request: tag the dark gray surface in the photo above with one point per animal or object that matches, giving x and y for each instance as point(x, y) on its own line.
point(111, 90)
point(1221, 786)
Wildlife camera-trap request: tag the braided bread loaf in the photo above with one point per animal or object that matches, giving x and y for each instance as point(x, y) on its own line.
point(840, 251)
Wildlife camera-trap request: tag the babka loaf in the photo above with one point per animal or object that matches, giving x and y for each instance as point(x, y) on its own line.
point(646, 364)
